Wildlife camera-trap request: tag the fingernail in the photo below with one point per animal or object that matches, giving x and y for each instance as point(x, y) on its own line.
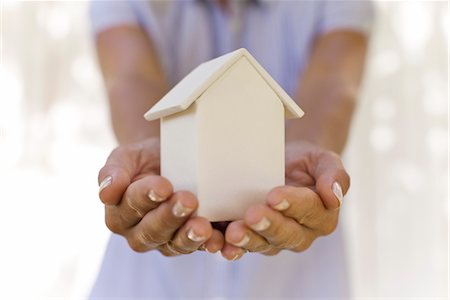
point(337, 191)
point(263, 224)
point(244, 241)
point(194, 237)
point(179, 210)
point(155, 197)
point(283, 205)
point(235, 257)
point(202, 247)
point(105, 183)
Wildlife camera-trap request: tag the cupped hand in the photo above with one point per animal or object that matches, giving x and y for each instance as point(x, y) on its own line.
point(293, 215)
point(141, 206)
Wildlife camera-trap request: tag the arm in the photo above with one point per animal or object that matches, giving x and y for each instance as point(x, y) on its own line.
point(327, 90)
point(133, 78)
point(140, 205)
point(307, 206)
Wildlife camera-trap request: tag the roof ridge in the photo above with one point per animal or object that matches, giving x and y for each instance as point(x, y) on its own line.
point(202, 77)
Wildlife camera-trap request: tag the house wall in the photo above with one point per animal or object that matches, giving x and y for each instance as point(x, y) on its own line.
point(179, 150)
point(240, 122)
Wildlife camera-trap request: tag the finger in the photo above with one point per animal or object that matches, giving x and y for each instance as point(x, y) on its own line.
point(192, 235)
point(168, 250)
point(140, 197)
point(279, 231)
point(231, 252)
point(274, 251)
point(239, 235)
point(159, 225)
point(215, 243)
point(305, 206)
point(332, 181)
point(116, 175)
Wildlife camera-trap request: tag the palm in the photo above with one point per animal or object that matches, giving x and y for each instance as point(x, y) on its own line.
point(145, 159)
point(299, 162)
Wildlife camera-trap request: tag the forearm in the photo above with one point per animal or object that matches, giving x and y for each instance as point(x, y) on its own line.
point(328, 90)
point(134, 80)
point(328, 106)
point(129, 99)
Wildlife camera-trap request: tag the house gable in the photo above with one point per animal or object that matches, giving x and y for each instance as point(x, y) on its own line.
point(240, 122)
point(188, 90)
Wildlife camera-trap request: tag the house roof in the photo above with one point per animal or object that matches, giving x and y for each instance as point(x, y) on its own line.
point(188, 90)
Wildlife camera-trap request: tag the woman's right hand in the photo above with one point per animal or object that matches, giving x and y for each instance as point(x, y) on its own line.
point(140, 205)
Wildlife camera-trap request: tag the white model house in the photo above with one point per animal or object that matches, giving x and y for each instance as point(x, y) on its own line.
point(222, 134)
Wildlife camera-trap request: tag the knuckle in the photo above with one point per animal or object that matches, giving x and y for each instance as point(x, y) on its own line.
point(184, 249)
point(263, 249)
point(182, 244)
point(126, 220)
point(270, 251)
point(310, 208)
point(329, 227)
point(114, 224)
point(152, 236)
point(286, 239)
point(177, 248)
point(137, 245)
point(292, 241)
point(280, 237)
point(303, 245)
point(166, 253)
point(134, 210)
point(285, 243)
point(142, 241)
point(167, 222)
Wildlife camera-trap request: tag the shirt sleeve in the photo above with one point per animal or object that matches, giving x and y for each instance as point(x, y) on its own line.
point(105, 14)
point(353, 15)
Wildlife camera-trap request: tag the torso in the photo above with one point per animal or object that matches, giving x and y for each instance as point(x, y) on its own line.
point(279, 34)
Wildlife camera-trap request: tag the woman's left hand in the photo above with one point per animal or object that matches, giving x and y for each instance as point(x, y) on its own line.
point(296, 214)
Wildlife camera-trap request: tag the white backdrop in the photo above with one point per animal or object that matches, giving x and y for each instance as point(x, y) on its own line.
point(54, 136)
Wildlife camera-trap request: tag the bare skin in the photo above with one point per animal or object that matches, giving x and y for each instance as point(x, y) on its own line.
point(327, 93)
point(139, 205)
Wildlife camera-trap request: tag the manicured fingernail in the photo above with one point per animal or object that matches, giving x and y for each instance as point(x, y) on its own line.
point(263, 224)
point(283, 205)
point(105, 183)
point(194, 237)
point(337, 191)
point(179, 210)
point(155, 197)
point(202, 247)
point(244, 241)
point(236, 256)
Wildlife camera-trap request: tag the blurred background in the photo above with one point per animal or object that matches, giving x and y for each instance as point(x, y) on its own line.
point(55, 135)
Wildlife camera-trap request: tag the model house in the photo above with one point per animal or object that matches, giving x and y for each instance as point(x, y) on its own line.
point(222, 134)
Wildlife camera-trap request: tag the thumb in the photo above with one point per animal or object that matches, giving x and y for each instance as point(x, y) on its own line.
point(332, 181)
point(116, 175)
